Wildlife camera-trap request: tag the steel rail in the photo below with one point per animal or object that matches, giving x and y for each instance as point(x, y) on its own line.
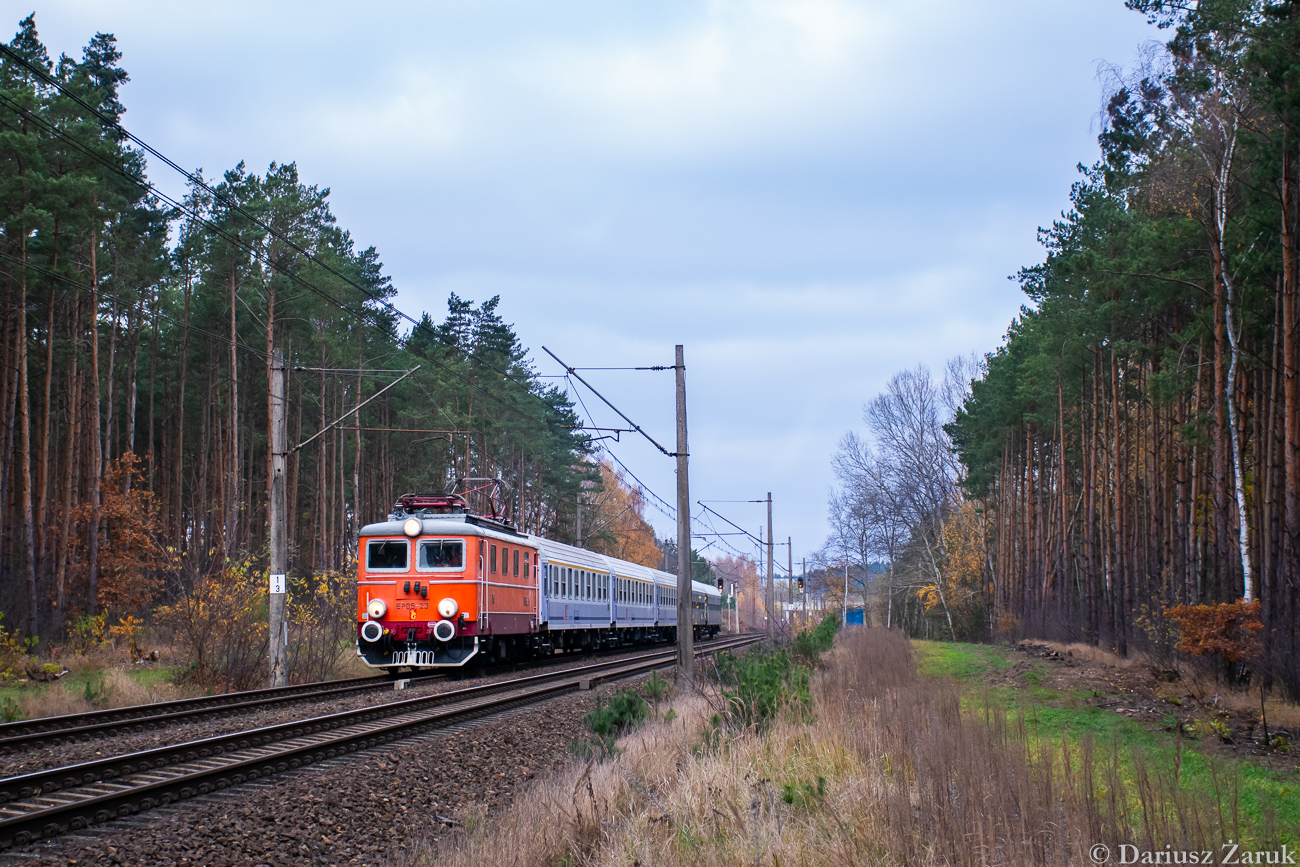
point(80, 726)
point(54, 730)
point(274, 749)
point(49, 780)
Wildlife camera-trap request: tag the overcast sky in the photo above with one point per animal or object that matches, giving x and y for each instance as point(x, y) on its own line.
point(810, 196)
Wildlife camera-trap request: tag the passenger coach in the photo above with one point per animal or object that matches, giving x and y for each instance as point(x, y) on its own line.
point(438, 586)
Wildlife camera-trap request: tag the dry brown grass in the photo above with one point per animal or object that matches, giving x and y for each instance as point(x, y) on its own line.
point(1098, 656)
point(890, 771)
point(116, 689)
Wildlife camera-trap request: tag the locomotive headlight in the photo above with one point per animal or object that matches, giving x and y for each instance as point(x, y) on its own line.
point(412, 527)
point(376, 609)
point(448, 607)
point(371, 631)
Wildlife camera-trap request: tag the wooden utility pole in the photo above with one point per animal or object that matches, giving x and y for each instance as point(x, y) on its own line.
point(771, 582)
point(789, 575)
point(279, 627)
point(685, 606)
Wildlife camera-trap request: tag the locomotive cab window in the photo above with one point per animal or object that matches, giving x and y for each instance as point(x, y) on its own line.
point(387, 554)
point(442, 554)
point(516, 574)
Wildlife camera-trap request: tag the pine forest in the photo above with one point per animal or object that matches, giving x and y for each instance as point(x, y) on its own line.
point(1127, 462)
point(138, 339)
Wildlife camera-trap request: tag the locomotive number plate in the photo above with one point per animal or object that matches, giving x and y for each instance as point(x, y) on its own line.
point(412, 605)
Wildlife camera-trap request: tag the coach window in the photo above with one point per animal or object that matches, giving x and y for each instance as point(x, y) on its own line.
point(387, 555)
point(441, 554)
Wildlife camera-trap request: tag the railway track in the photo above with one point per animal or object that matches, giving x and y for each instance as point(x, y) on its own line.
point(50, 802)
point(52, 731)
point(55, 730)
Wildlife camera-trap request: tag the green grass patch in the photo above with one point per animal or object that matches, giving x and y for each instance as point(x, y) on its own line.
point(152, 676)
point(1049, 716)
point(962, 661)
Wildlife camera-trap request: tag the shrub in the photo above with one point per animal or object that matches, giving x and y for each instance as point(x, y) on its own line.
point(222, 620)
point(623, 712)
point(809, 646)
point(87, 633)
point(1228, 630)
point(655, 688)
point(13, 651)
point(762, 682)
point(322, 625)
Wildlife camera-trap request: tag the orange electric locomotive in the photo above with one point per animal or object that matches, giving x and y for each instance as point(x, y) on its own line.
point(438, 586)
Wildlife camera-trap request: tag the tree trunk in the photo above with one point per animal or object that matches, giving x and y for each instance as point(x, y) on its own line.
point(97, 455)
point(25, 451)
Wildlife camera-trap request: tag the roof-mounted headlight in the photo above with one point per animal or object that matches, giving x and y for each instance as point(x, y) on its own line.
point(412, 526)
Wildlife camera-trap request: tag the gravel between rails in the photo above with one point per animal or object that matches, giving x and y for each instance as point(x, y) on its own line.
point(25, 761)
point(360, 809)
